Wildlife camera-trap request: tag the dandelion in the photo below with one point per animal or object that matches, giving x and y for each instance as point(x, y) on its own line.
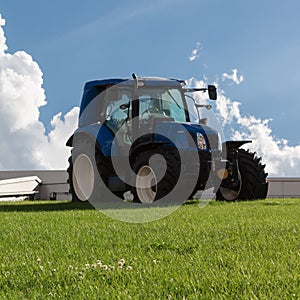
point(122, 261)
point(38, 260)
point(129, 268)
point(94, 266)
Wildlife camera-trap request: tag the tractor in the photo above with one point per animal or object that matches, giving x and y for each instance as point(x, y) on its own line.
point(137, 135)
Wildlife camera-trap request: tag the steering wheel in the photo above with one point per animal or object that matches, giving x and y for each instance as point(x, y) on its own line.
point(151, 110)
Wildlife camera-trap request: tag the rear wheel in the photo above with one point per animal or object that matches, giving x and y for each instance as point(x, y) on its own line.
point(252, 180)
point(157, 174)
point(81, 171)
point(85, 164)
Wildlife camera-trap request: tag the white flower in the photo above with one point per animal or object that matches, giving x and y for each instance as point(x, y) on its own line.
point(99, 263)
point(129, 268)
point(105, 267)
point(38, 260)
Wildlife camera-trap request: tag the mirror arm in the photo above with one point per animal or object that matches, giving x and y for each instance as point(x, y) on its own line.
point(212, 91)
point(190, 90)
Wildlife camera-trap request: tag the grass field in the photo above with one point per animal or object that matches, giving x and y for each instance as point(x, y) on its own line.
point(61, 250)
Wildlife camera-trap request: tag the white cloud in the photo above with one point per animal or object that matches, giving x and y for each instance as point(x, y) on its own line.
point(280, 158)
point(3, 46)
point(24, 142)
point(233, 77)
point(195, 52)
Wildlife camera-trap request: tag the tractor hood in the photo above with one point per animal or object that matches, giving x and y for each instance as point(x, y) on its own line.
point(184, 134)
point(194, 128)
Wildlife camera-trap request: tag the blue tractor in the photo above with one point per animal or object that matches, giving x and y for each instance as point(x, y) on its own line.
point(136, 135)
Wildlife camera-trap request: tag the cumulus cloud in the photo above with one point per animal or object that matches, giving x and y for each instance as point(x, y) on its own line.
point(280, 158)
point(195, 52)
point(24, 143)
point(233, 77)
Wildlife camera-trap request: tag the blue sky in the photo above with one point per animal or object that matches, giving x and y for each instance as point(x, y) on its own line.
point(77, 41)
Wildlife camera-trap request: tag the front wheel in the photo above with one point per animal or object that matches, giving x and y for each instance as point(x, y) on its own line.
point(157, 174)
point(251, 177)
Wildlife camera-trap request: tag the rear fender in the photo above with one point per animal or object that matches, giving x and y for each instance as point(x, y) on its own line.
point(231, 146)
point(231, 154)
point(98, 134)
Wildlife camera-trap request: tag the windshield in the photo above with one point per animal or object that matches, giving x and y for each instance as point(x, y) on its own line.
point(162, 102)
point(155, 103)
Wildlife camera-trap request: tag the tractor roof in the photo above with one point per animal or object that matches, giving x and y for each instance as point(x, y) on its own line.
point(147, 81)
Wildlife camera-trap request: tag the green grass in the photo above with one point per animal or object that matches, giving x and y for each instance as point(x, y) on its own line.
point(246, 250)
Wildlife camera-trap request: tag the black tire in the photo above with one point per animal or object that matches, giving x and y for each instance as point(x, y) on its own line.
point(82, 148)
point(253, 184)
point(192, 195)
point(70, 181)
point(100, 165)
point(161, 187)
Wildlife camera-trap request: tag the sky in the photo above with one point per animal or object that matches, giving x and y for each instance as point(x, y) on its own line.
point(49, 49)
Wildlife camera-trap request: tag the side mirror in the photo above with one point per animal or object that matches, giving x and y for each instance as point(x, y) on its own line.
point(212, 92)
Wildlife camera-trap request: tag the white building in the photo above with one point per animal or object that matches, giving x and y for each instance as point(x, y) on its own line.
point(54, 185)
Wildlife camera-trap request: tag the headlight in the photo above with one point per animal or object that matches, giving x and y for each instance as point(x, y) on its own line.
point(201, 143)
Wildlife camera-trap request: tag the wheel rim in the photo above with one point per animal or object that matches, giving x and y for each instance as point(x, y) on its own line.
point(146, 184)
point(83, 177)
point(230, 194)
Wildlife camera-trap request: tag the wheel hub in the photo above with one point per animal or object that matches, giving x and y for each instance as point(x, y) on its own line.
point(83, 177)
point(146, 184)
